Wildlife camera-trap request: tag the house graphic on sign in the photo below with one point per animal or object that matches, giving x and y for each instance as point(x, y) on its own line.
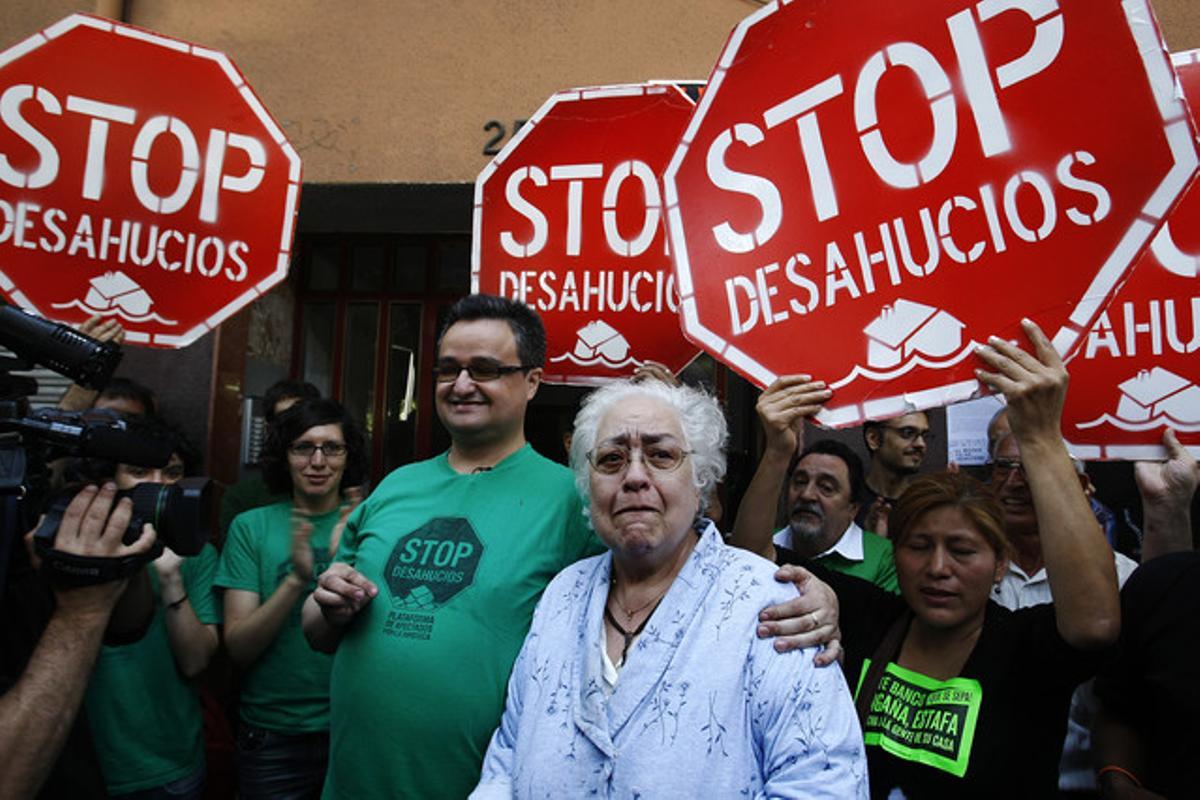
point(116, 290)
point(599, 339)
point(907, 328)
point(907, 335)
point(1157, 393)
point(115, 294)
point(598, 343)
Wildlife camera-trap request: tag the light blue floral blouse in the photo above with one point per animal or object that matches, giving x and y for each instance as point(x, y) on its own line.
point(702, 708)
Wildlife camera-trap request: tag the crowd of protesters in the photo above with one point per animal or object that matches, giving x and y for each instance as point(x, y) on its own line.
point(925, 634)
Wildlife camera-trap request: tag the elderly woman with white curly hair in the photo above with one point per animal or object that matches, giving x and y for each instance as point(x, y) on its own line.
point(642, 674)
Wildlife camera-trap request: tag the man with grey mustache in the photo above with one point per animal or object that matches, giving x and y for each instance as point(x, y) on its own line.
point(824, 487)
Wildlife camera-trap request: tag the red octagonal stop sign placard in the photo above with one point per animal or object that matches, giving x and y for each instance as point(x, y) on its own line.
point(1138, 369)
point(867, 190)
point(568, 218)
point(140, 179)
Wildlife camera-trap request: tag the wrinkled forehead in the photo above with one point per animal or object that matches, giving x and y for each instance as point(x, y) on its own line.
point(817, 465)
point(640, 419)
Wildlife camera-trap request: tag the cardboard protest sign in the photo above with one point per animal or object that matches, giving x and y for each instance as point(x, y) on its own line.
point(141, 179)
point(867, 190)
point(568, 218)
point(1138, 369)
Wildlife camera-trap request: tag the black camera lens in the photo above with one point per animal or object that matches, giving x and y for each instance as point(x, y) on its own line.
point(179, 513)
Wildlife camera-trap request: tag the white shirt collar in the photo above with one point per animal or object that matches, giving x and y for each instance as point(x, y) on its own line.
point(1023, 577)
point(850, 546)
point(1125, 568)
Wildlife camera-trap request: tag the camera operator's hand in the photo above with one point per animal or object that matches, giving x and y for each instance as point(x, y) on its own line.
point(93, 526)
point(38, 711)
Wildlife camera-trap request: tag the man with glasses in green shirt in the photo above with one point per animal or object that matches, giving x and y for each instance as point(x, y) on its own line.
point(436, 579)
point(434, 585)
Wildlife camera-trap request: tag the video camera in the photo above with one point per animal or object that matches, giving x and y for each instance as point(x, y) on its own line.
point(29, 441)
point(178, 512)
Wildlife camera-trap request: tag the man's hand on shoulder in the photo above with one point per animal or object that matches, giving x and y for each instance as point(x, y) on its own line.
point(809, 620)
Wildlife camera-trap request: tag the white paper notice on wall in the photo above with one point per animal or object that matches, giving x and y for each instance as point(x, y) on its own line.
point(966, 430)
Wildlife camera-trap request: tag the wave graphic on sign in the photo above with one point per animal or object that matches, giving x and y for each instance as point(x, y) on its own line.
point(599, 343)
point(1153, 398)
point(117, 294)
point(597, 361)
point(908, 366)
point(1148, 425)
point(116, 312)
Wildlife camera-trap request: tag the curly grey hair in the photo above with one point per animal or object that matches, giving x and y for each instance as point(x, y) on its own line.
point(705, 431)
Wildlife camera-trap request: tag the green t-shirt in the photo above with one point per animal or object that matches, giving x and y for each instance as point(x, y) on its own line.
point(287, 689)
point(460, 561)
point(145, 716)
point(877, 566)
point(243, 496)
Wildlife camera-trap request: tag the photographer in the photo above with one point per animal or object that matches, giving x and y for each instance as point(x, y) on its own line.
point(43, 677)
point(154, 745)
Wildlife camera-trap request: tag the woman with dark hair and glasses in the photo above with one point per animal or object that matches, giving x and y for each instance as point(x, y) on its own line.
point(268, 567)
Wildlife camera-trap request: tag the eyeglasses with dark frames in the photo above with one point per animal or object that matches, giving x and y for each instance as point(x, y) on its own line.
point(480, 370)
point(910, 434)
point(306, 450)
point(613, 459)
